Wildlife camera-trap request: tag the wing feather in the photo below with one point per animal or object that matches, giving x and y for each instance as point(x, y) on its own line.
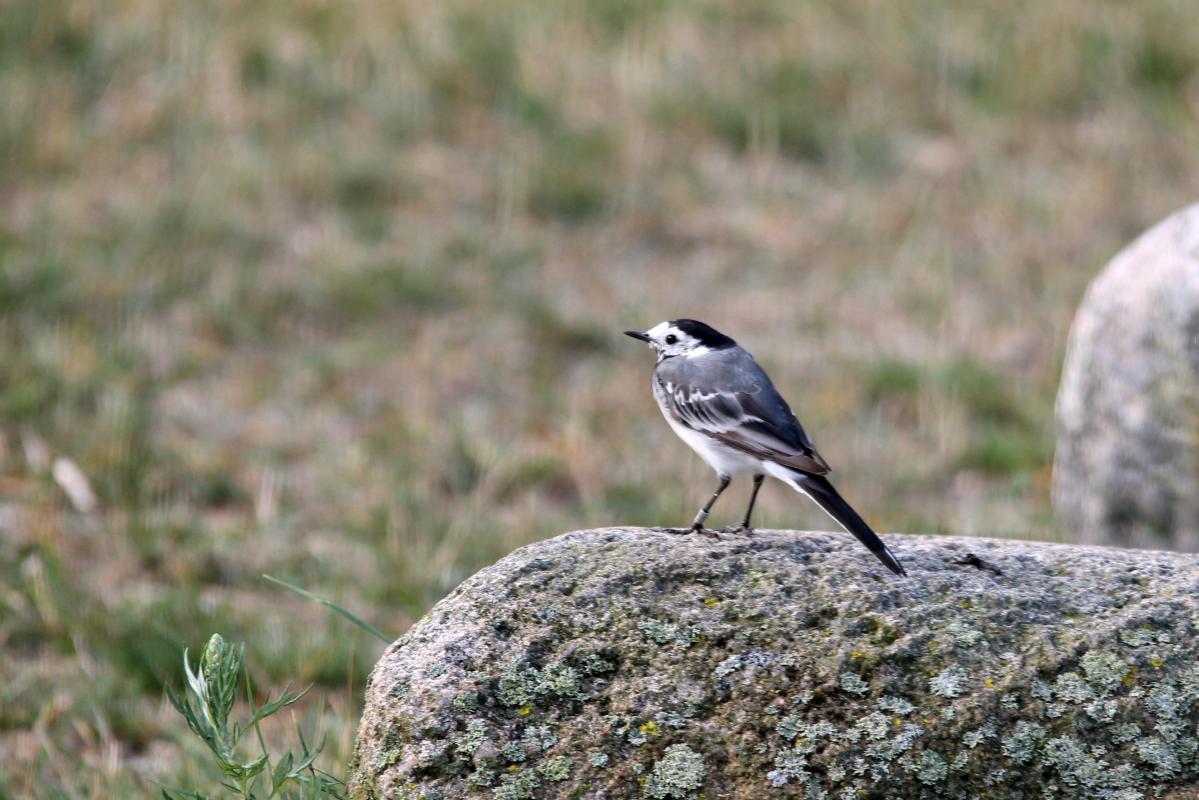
point(739, 421)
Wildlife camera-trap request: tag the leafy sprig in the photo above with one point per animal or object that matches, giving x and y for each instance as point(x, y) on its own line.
point(207, 703)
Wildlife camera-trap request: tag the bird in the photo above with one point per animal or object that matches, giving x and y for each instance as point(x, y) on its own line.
point(719, 401)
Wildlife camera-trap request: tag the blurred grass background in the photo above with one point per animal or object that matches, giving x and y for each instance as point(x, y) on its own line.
point(334, 291)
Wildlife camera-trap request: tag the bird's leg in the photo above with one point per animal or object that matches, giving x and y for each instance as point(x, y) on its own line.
point(749, 512)
point(698, 524)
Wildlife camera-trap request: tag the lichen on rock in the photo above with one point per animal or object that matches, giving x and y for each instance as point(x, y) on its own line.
point(678, 774)
point(626, 663)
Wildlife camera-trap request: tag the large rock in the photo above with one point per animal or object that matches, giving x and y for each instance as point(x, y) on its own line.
point(1127, 464)
point(630, 663)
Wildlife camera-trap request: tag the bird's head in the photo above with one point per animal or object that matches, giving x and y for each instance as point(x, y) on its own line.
point(682, 337)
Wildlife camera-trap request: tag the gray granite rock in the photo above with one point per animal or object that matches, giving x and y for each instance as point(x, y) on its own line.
point(1127, 465)
point(631, 663)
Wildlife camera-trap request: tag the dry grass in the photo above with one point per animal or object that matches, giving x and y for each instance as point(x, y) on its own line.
point(333, 291)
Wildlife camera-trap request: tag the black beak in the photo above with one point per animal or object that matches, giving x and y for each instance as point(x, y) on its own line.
point(638, 335)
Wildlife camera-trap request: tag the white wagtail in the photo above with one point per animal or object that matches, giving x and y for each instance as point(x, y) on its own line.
point(723, 405)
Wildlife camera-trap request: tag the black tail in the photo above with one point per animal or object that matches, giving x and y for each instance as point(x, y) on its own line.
point(819, 489)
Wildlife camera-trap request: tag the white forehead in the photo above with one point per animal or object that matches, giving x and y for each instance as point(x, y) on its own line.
point(663, 328)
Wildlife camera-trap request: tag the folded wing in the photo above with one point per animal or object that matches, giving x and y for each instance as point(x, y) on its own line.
point(757, 423)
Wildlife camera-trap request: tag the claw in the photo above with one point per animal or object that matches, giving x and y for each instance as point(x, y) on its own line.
point(740, 530)
point(711, 534)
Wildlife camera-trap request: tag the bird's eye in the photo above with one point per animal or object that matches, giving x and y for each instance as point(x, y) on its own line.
point(671, 338)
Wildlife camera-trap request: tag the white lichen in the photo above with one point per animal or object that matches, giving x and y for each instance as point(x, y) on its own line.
point(789, 765)
point(728, 666)
point(895, 705)
point(1105, 671)
point(963, 634)
point(555, 769)
point(1158, 754)
point(788, 727)
point(467, 742)
point(1102, 710)
point(1137, 637)
point(1040, 690)
point(1071, 688)
point(931, 768)
point(974, 738)
point(678, 774)
point(948, 683)
point(1125, 732)
point(1021, 745)
point(1074, 764)
point(668, 633)
point(520, 785)
point(538, 737)
point(853, 683)
point(874, 725)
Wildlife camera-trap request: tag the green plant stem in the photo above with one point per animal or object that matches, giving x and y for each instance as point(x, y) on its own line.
point(258, 728)
point(361, 623)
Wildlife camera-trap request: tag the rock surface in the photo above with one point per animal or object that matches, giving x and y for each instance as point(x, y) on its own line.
point(631, 663)
point(1127, 465)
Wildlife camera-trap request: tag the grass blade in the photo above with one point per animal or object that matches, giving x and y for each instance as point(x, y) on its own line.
point(366, 626)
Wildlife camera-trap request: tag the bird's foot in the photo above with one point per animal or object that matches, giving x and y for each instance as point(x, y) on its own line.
point(702, 531)
point(741, 530)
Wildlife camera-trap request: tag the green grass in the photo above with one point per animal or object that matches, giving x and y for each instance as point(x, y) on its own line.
point(334, 292)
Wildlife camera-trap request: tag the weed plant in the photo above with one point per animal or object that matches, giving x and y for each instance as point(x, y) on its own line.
point(207, 705)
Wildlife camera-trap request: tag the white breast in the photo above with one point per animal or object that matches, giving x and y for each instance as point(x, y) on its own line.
point(725, 460)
